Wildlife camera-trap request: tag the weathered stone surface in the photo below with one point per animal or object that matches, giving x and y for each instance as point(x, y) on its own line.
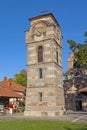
point(44, 96)
point(74, 86)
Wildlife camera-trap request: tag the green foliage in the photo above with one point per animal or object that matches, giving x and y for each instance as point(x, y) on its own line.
point(20, 78)
point(11, 79)
point(85, 34)
point(65, 75)
point(79, 50)
point(22, 105)
point(81, 57)
point(73, 45)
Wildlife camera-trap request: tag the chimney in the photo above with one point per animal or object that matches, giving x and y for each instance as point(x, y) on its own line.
point(5, 78)
point(9, 83)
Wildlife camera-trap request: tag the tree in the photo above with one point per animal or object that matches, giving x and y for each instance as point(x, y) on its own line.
point(81, 57)
point(65, 75)
point(80, 51)
point(20, 78)
point(78, 74)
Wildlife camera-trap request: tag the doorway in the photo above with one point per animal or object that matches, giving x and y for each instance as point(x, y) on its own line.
point(79, 105)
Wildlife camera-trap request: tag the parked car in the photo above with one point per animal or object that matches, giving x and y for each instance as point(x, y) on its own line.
point(2, 110)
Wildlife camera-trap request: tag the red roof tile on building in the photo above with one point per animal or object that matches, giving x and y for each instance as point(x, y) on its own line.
point(12, 85)
point(11, 89)
point(5, 92)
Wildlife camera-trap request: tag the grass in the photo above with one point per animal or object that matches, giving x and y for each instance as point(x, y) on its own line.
point(40, 125)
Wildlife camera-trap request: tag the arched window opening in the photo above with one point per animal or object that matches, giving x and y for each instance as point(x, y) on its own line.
point(57, 56)
point(40, 73)
point(40, 96)
point(40, 54)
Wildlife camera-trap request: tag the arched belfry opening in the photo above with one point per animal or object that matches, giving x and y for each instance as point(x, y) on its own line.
point(40, 54)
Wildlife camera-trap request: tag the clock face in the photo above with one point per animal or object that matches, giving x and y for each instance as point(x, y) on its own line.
point(38, 31)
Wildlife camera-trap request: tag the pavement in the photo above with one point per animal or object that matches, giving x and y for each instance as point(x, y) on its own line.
point(78, 116)
point(71, 117)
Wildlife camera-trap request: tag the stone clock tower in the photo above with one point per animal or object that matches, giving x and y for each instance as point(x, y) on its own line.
point(44, 94)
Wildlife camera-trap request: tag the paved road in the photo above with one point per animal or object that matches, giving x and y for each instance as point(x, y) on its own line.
point(82, 118)
point(79, 117)
point(72, 117)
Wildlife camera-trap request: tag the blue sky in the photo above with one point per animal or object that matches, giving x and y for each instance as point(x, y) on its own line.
point(14, 15)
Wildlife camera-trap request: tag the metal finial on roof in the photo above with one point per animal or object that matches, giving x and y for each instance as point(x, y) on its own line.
point(44, 11)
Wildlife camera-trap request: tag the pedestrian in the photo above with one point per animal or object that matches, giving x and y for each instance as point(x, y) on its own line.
point(11, 108)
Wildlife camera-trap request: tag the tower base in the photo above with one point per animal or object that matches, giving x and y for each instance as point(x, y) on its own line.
point(43, 113)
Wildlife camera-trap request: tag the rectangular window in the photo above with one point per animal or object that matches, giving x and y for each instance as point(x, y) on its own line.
point(40, 96)
point(57, 56)
point(40, 73)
